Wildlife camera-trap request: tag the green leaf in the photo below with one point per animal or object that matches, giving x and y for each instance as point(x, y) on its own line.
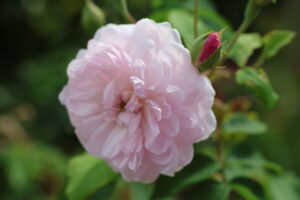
point(207, 151)
point(87, 174)
point(202, 168)
point(207, 190)
point(213, 19)
point(242, 123)
point(216, 22)
point(105, 192)
point(244, 192)
point(248, 167)
point(200, 175)
point(274, 167)
point(245, 162)
point(28, 166)
point(133, 190)
point(258, 82)
point(215, 191)
point(276, 40)
point(284, 187)
point(244, 47)
point(183, 21)
point(140, 191)
point(160, 15)
point(187, 5)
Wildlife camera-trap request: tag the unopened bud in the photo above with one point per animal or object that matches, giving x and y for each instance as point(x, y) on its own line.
point(206, 50)
point(212, 43)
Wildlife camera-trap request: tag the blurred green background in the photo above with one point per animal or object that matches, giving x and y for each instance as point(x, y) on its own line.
point(40, 37)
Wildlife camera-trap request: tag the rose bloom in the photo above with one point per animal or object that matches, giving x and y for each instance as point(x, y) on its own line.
point(136, 100)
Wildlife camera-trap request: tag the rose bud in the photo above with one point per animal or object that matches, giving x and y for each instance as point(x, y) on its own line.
point(209, 47)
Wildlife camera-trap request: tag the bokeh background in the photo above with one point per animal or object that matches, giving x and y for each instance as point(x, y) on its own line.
point(40, 37)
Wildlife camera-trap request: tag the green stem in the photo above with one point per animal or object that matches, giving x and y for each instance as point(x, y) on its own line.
point(126, 13)
point(196, 7)
point(251, 12)
point(259, 61)
point(233, 40)
point(219, 152)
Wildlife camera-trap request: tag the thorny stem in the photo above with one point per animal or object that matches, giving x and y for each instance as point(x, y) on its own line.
point(126, 13)
point(196, 7)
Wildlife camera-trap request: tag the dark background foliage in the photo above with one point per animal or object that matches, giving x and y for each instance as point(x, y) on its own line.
point(40, 37)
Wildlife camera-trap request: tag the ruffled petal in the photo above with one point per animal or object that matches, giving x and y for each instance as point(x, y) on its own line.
point(136, 100)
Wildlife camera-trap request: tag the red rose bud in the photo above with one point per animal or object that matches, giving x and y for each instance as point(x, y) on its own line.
point(206, 50)
point(212, 43)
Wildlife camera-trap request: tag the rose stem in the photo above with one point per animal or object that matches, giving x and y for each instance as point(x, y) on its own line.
point(126, 13)
point(196, 7)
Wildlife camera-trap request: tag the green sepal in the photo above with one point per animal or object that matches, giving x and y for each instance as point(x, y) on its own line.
point(197, 46)
point(211, 61)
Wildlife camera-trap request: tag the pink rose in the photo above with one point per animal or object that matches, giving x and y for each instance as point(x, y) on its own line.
point(136, 100)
